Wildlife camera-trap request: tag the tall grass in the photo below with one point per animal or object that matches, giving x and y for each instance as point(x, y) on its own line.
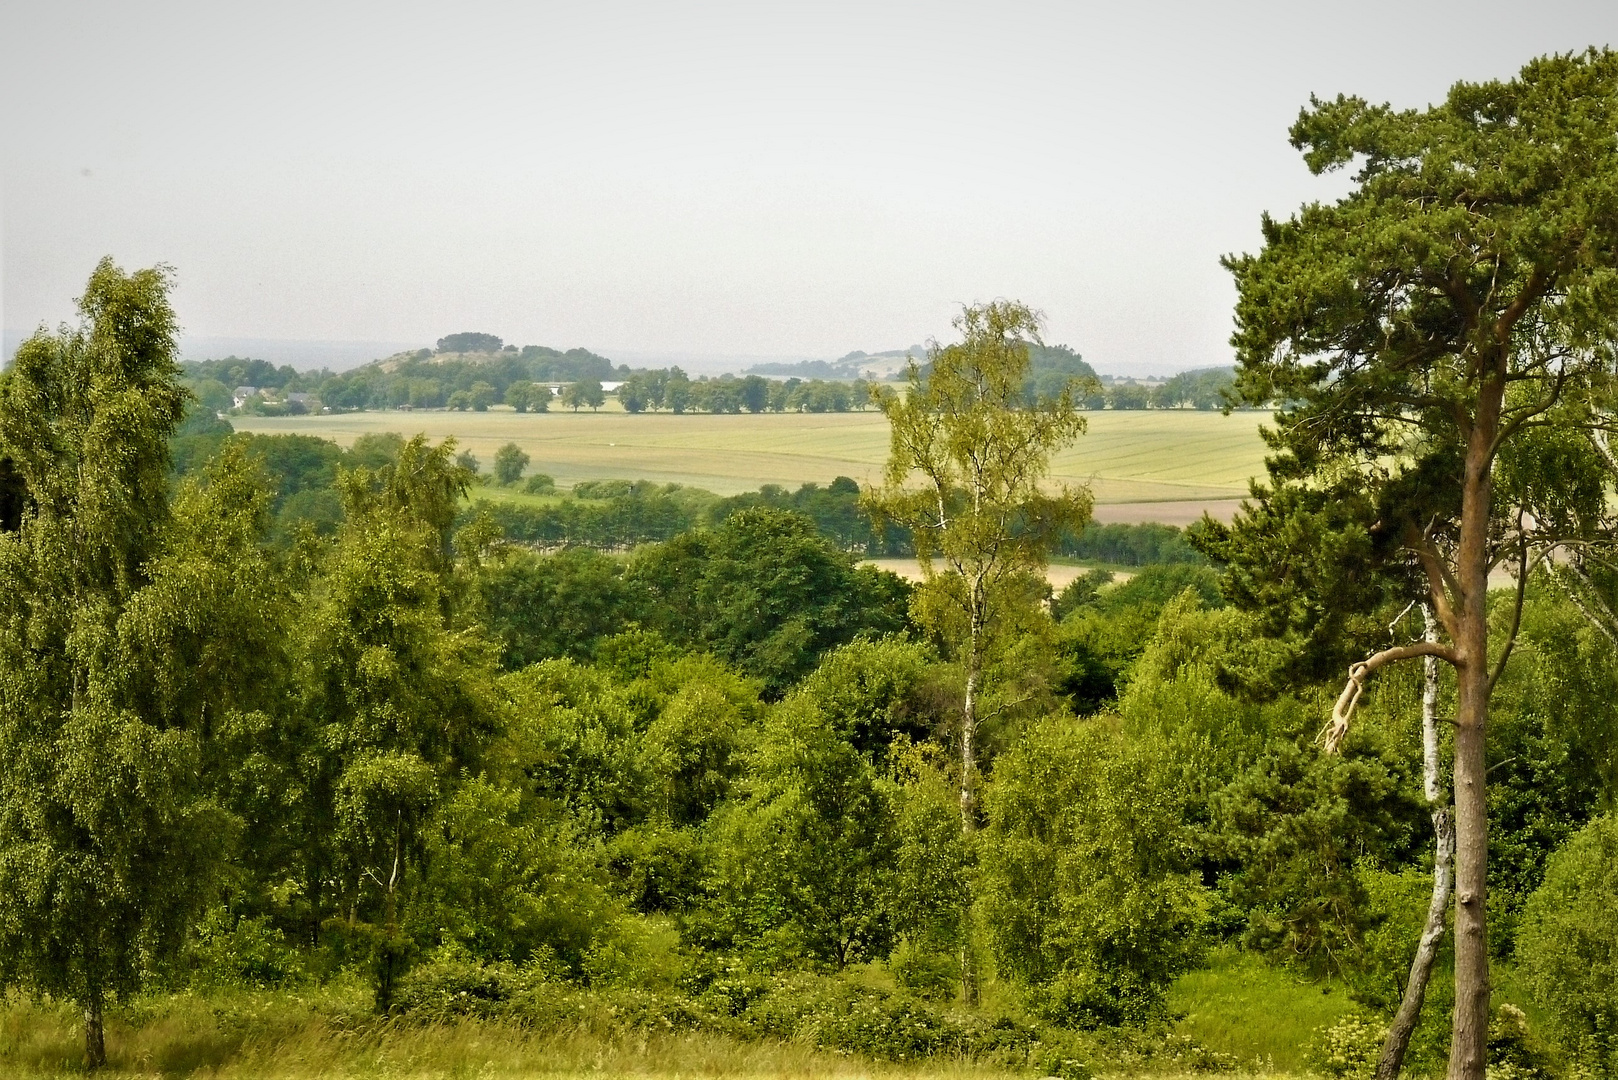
point(225, 1035)
point(1239, 1005)
point(1262, 1015)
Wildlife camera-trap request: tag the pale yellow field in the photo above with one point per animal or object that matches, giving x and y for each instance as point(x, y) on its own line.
point(1162, 457)
point(1060, 575)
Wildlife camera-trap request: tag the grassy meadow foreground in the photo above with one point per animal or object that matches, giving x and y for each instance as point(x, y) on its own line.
point(1236, 1018)
point(1161, 455)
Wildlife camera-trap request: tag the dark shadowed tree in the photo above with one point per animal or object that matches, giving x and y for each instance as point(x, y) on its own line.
point(764, 591)
point(469, 342)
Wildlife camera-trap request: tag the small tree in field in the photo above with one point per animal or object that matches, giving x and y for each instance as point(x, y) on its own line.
point(519, 395)
point(1441, 337)
point(509, 462)
point(585, 392)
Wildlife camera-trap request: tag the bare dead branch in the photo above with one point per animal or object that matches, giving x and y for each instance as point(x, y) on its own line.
point(1332, 735)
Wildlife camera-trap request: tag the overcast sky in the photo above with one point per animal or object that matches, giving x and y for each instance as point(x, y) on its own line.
point(695, 180)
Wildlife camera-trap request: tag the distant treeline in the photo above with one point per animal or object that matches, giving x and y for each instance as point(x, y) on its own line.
point(1148, 544)
point(639, 513)
point(421, 380)
point(1205, 389)
point(424, 381)
point(522, 378)
point(672, 390)
point(619, 514)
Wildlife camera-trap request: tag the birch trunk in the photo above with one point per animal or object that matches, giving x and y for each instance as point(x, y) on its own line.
point(1469, 1036)
point(95, 1045)
point(1421, 968)
point(969, 808)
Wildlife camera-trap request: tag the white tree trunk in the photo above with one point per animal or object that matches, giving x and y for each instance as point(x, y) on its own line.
point(1421, 967)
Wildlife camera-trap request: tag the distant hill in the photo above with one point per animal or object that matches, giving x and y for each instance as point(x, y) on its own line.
point(299, 354)
point(1052, 366)
point(853, 366)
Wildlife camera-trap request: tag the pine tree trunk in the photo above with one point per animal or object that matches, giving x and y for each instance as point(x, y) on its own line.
point(1468, 1050)
point(95, 1046)
point(1421, 968)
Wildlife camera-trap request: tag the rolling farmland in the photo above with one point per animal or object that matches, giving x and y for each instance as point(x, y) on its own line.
point(1151, 465)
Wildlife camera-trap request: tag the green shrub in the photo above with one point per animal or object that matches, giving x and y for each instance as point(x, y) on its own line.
point(1084, 879)
point(655, 866)
point(451, 984)
point(843, 1014)
point(1514, 1052)
point(930, 975)
point(507, 885)
point(509, 462)
point(1567, 944)
point(245, 950)
point(641, 951)
point(799, 864)
point(1079, 1055)
point(930, 880)
point(833, 1013)
point(1297, 822)
point(1349, 1048)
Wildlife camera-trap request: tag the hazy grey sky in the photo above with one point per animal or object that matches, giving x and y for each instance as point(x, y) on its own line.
point(695, 179)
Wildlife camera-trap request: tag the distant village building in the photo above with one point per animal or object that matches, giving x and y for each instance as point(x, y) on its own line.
point(242, 393)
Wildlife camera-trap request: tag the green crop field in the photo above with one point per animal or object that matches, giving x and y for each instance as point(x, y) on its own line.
point(1128, 457)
